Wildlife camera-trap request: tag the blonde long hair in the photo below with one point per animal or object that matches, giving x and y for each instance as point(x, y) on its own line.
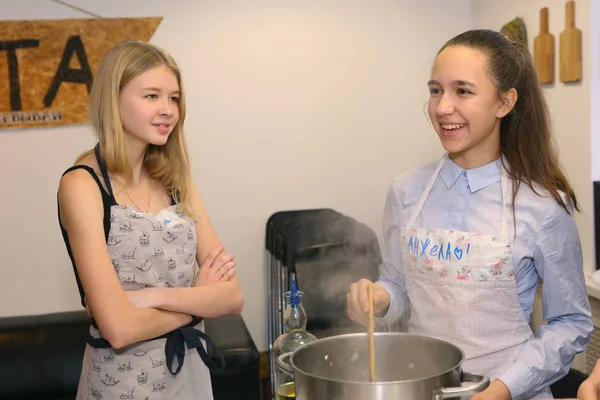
point(168, 164)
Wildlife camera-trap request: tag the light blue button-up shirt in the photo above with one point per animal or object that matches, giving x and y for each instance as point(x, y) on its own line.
point(546, 245)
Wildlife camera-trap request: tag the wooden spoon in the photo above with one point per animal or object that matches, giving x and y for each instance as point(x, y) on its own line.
point(371, 334)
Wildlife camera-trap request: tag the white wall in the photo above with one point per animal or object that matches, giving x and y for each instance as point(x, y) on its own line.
point(291, 105)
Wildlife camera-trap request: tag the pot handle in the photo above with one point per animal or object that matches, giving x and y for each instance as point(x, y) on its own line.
point(285, 366)
point(480, 383)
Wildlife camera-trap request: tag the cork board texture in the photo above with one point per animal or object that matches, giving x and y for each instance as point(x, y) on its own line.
point(47, 66)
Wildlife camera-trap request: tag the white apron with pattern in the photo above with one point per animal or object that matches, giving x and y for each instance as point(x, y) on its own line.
point(461, 288)
point(147, 250)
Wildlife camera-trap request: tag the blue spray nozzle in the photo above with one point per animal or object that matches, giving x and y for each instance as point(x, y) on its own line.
point(294, 294)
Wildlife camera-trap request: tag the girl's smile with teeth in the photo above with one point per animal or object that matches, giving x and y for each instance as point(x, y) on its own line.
point(452, 126)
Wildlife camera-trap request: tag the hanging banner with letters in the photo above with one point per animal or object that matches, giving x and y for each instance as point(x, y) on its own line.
point(47, 66)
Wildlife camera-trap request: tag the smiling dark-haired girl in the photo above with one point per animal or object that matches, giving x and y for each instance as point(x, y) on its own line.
point(469, 237)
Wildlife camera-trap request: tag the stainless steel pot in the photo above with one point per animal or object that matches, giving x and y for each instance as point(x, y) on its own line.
point(407, 366)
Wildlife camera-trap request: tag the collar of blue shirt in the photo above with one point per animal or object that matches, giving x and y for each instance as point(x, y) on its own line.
point(478, 178)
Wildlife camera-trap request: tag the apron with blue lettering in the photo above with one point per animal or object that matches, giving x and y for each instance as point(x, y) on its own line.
point(462, 289)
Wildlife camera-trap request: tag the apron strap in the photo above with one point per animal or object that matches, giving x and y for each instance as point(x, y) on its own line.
point(98, 343)
point(104, 171)
point(423, 198)
point(504, 182)
point(187, 335)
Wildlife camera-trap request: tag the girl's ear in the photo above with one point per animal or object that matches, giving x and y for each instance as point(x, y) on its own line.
point(508, 100)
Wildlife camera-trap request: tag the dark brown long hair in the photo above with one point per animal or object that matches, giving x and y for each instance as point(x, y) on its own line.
point(525, 137)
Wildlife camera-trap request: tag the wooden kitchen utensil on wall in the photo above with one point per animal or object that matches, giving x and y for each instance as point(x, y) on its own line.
point(516, 30)
point(570, 47)
point(543, 50)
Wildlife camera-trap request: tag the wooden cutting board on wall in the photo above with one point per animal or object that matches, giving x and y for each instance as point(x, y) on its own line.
point(570, 47)
point(543, 50)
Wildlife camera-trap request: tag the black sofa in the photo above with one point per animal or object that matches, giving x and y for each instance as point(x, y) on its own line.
point(41, 356)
